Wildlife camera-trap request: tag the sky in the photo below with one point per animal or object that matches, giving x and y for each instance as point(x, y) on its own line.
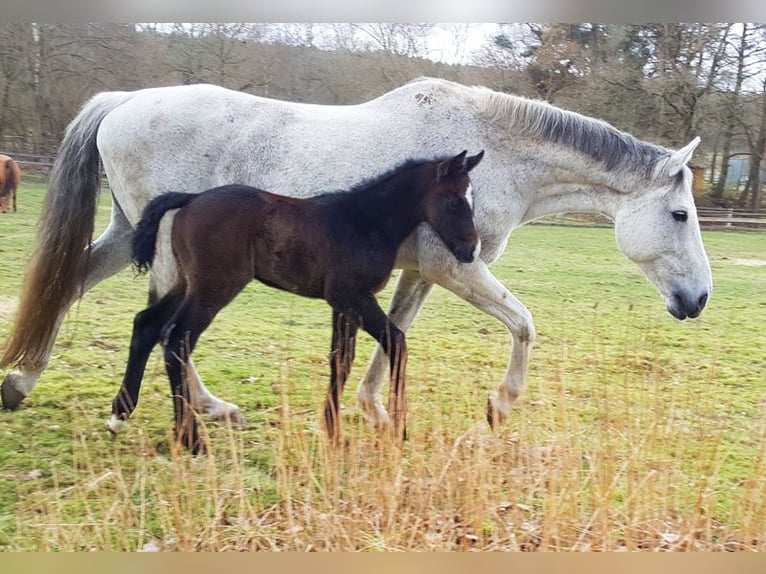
point(442, 46)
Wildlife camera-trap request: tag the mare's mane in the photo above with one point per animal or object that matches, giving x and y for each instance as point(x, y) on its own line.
point(537, 119)
point(595, 138)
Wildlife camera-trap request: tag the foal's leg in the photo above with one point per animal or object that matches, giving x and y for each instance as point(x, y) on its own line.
point(392, 340)
point(476, 284)
point(342, 351)
point(109, 254)
point(182, 331)
point(146, 333)
point(409, 296)
point(162, 278)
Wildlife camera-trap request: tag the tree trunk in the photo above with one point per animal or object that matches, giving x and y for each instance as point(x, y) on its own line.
point(723, 173)
point(732, 114)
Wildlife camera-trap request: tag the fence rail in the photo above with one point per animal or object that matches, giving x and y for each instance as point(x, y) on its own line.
point(709, 217)
point(731, 218)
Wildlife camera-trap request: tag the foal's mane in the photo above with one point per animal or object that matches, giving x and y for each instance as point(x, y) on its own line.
point(592, 137)
point(375, 180)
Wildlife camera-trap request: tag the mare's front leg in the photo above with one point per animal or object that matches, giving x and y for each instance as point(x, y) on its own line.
point(344, 328)
point(408, 298)
point(146, 333)
point(475, 283)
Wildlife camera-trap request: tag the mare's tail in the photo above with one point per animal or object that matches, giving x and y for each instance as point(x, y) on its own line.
point(145, 238)
point(58, 266)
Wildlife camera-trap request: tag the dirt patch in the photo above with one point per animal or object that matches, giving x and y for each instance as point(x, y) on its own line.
point(748, 262)
point(7, 306)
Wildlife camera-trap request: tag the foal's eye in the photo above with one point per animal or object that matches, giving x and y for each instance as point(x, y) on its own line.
point(680, 215)
point(454, 204)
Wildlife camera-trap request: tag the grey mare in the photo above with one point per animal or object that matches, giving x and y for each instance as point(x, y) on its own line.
point(539, 160)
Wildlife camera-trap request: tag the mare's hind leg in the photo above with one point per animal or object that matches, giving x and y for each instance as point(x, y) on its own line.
point(110, 253)
point(409, 296)
point(344, 328)
point(146, 333)
point(163, 277)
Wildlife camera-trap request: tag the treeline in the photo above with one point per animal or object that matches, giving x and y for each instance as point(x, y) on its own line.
point(662, 82)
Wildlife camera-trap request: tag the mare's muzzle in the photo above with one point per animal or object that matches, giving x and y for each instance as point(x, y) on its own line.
point(683, 305)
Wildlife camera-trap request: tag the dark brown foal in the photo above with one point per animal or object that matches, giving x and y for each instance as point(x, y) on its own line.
point(340, 247)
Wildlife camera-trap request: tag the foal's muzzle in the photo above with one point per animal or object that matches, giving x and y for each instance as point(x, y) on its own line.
point(467, 252)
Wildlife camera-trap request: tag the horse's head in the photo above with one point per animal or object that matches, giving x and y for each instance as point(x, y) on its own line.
point(658, 230)
point(449, 206)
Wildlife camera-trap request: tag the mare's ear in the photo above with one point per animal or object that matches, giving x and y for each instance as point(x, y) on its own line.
point(674, 163)
point(451, 166)
point(473, 161)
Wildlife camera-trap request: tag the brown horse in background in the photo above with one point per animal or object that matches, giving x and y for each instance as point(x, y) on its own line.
point(9, 181)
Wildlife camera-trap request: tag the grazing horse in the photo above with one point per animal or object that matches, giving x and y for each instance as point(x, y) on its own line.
point(340, 247)
point(540, 160)
point(9, 182)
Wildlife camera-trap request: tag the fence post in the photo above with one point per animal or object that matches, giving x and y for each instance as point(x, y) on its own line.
point(729, 215)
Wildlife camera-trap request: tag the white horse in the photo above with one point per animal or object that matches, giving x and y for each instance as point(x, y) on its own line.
point(540, 160)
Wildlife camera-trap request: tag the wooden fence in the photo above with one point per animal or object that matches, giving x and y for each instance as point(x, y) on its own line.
point(709, 217)
point(730, 218)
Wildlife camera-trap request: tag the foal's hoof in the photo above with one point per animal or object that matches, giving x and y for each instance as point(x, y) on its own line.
point(115, 425)
point(10, 392)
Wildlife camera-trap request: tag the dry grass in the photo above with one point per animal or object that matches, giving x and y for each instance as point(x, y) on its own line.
point(554, 484)
point(636, 433)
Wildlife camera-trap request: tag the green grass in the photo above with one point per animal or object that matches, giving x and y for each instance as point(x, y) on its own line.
point(634, 426)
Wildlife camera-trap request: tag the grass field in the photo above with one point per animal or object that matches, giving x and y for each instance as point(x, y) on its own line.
point(637, 432)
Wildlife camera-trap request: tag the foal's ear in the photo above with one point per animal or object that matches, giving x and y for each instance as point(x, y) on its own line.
point(451, 166)
point(473, 161)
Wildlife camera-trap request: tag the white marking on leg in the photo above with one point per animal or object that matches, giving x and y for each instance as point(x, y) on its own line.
point(115, 424)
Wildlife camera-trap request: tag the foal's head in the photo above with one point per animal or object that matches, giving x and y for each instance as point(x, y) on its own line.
point(449, 206)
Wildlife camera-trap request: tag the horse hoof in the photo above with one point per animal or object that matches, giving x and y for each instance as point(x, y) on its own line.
point(115, 425)
point(375, 413)
point(236, 418)
point(495, 417)
point(10, 393)
point(227, 412)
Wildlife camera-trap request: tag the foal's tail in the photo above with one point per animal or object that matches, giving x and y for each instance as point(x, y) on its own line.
point(56, 273)
point(145, 238)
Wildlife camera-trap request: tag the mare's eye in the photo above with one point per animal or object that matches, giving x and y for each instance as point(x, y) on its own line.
point(680, 215)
